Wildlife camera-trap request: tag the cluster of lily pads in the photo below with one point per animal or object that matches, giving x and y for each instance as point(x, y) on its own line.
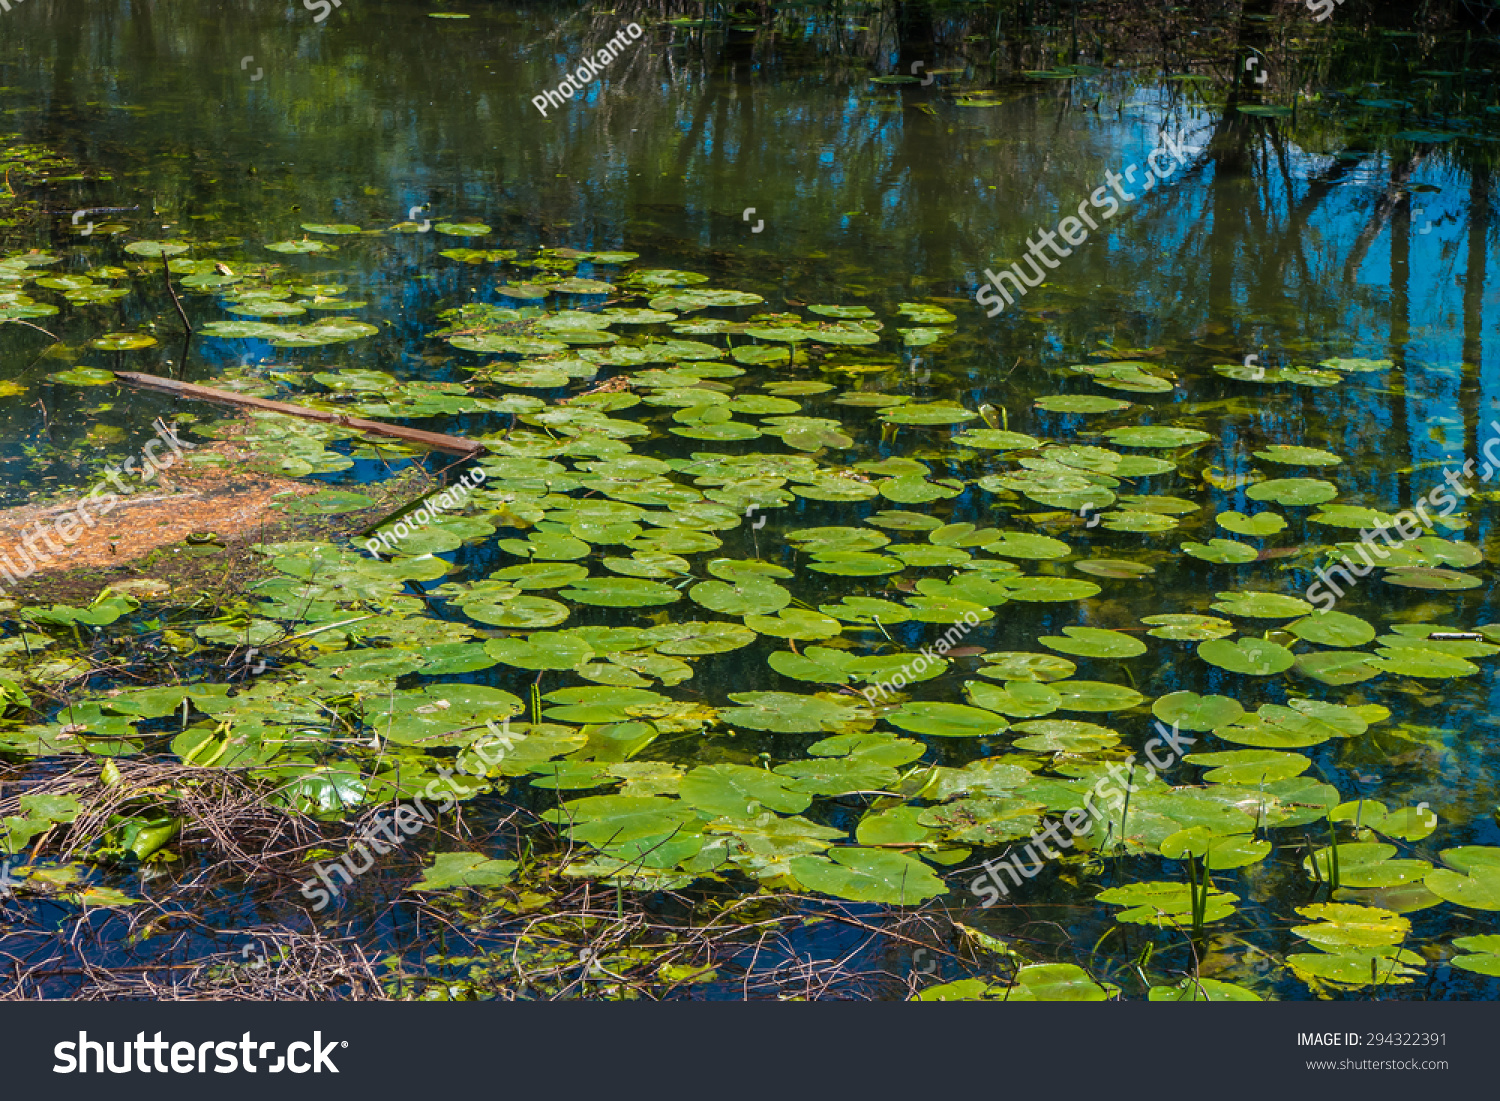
point(614, 560)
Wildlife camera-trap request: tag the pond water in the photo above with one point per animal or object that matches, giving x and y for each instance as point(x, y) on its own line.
point(689, 590)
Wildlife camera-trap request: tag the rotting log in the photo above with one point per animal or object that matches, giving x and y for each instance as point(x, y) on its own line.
point(453, 445)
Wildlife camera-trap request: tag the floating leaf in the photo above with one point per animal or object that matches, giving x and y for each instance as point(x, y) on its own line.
point(1260, 525)
point(1019, 665)
point(937, 412)
point(1258, 605)
point(868, 875)
point(1165, 904)
point(1188, 627)
point(332, 230)
point(1156, 436)
point(621, 592)
point(302, 246)
point(1298, 456)
point(1092, 642)
point(1370, 864)
point(122, 342)
point(83, 376)
point(1338, 667)
point(946, 720)
point(156, 249)
point(1223, 551)
point(738, 791)
point(450, 870)
point(1333, 629)
point(1190, 711)
point(1081, 403)
point(1293, 491)
point(786, 712)
point(1254, 657)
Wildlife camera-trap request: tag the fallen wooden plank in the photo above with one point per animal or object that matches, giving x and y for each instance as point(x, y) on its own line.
point(453, 445)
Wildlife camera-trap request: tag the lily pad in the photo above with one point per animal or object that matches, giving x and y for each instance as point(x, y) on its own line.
point(1093, 642)
point(1253, 657)
point(122, 342)
point(1293, 491)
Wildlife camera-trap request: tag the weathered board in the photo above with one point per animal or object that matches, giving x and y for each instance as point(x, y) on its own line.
point(453, 445)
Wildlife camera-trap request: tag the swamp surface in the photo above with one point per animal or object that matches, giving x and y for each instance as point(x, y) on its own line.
point(795, 595)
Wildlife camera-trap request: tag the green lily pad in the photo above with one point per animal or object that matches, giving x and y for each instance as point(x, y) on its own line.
point(1019, 665)
point(450, 870)
point(1485, 958)
point(1437, 580)
point(302, 246)
point(1253, 657)
point(1417, 661)
point(1298, 456)
point(1258, 605)
point(1338, 667)
point(787, 713)
point(1190, 711)
point(1370, 864)
point(332, 230)
point(1260, 525)
point(1081, 403)
point(1222, 551)
point(1220, 852)
point(1354, 967)
point(1293, 491)
point(1048, 589)
point(156, 249)
point(1156, 436)
point(737, 791)
point(83, 376)
point(122, 342)
point(868, 875)
point(1093, 642)
point(930, 413)
point(621, 592)
point(1190, 628)
point(1165, 905)
point(1087, 695)
point(694, 639)
point(1117, 568)
point(1014, 544)
point(1202, 990)
point(1249, 767)
point(947, 720)
point(1333, 629)
point(1341, 925)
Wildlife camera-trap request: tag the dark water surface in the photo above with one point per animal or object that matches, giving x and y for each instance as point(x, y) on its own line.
point(1361, 226)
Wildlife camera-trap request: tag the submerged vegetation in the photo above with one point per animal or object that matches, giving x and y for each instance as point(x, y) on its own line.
point(784, 627)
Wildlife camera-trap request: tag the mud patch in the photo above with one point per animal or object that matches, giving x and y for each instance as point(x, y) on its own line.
point(188, 532)
point(204, 499)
